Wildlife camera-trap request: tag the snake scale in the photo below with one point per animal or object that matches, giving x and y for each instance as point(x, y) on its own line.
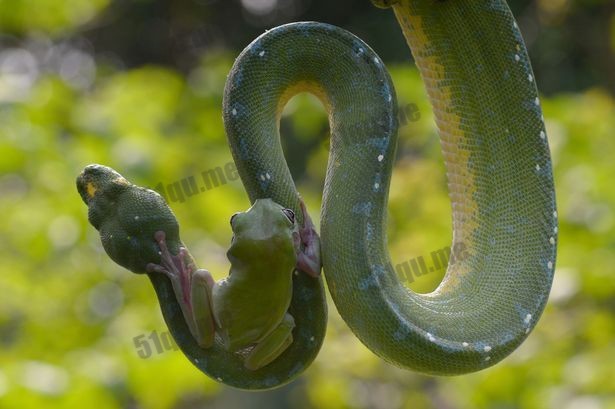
point(479, 80)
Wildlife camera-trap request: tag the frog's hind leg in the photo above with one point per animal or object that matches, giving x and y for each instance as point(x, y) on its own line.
point(202, 309)
point(272, 346)
point(192, 289)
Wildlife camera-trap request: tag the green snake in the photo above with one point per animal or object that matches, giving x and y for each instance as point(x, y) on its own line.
point(476, 69)
point(477, 72)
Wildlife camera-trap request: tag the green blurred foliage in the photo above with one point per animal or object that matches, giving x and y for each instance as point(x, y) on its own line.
point(69, 316)
point(50, 16)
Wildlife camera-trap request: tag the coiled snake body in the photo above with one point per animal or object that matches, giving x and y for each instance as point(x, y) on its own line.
point(478, 76)
point(474, 64)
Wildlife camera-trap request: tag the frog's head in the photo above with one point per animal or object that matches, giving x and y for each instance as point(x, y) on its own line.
point(264, 230)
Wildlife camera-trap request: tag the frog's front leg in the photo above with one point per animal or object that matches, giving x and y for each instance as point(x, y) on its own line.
point(307, 244)
point(192, 289)
point(272, 345)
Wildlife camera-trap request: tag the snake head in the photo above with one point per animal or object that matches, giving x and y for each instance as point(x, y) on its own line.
point(127, 217)
point(99, 187)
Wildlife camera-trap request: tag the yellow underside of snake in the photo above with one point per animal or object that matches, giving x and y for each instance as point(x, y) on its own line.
point(475, 67)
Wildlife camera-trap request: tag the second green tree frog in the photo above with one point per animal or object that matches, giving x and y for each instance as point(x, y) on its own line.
point(249, 308)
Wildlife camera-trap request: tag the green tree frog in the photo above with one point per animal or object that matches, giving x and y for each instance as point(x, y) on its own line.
point(249, 308)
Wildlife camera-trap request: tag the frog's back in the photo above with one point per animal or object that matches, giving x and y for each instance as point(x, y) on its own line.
point(247, 311)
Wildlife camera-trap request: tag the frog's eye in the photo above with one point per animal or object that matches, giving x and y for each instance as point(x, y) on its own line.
point(233, 217)
point(290, 215)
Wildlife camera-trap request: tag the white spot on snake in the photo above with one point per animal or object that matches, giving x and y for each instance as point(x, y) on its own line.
point(312, 339)
point(487, 358)
point(261, 53)
point(555, 229)
point(528, 318)
point(527, 330)
point(537, 167)
point(552, 240)
point(487, 348)
point(517, 58)
point(530, 78)
point(550, 265)
point(234, 111)
point(364, 208)
point(376, 60)
point(219, 379)
point(543, 135)
point(465, 344)
point(515, 25)
point(554, 213)
point(380, 157)
point(296, 273)
point(268, 176)
point(262, 177)
point(160, 253)
point(389, 98)
point(431, 337)
point(360, 50)
point(537, 101)
point(372, 279)
point(376, 186)
point(136, 217)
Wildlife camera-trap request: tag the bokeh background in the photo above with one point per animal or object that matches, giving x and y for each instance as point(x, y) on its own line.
point(137, 85)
